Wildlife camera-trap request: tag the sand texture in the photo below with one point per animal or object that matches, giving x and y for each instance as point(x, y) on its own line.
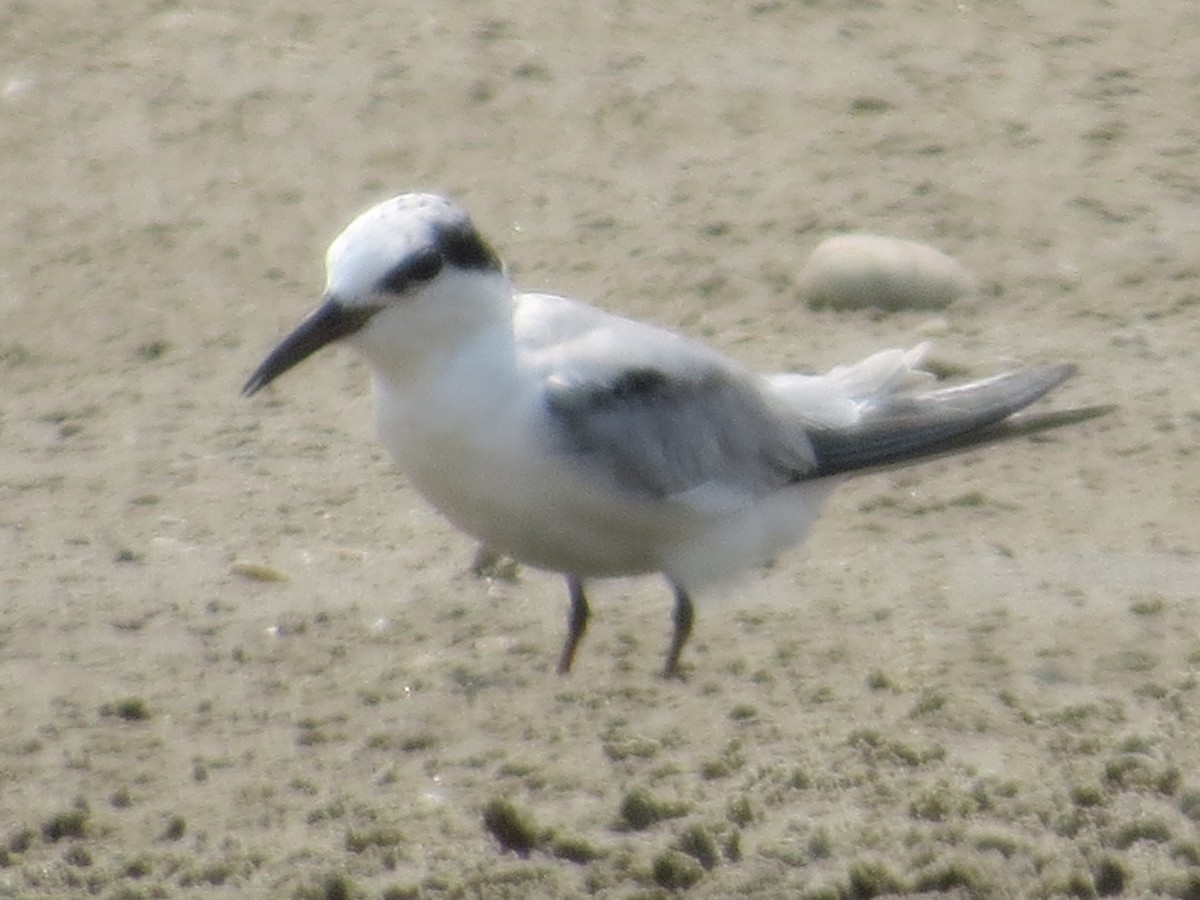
point(241, 657)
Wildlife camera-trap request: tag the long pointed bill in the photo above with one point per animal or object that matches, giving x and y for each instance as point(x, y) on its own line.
point(327, 323)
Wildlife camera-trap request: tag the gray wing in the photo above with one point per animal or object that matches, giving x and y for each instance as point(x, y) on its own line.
point(658, 433)
point(905, 427)
point(652, 412)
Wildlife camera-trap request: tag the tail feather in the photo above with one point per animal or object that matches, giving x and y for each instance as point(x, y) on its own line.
point(899, 428)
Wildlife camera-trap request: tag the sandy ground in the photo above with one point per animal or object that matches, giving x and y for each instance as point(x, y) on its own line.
point(977, 679)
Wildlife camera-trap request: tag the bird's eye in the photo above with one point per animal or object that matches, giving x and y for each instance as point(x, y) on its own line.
point(422, 267)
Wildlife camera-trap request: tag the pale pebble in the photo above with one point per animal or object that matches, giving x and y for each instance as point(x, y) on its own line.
point(857, 271)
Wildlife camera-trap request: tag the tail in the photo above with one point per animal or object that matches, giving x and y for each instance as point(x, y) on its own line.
point(897, 428)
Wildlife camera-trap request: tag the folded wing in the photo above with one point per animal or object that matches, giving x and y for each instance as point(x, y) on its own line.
point(660, 433)
point(897, 428)
point(655, 413)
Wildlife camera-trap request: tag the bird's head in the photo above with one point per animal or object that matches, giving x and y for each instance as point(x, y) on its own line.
point(411, 250)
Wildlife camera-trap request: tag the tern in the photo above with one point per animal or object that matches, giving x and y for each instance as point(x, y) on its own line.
point(592, 445)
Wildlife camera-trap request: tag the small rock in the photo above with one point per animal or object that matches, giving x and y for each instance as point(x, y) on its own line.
point(855, 271)
point(256, 571)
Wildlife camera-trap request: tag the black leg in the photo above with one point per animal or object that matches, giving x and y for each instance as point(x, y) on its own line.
point(684, 616)
point(576, 624)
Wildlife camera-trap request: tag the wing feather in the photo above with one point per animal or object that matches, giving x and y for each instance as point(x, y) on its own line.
point(660, 434)
point(910, 426)
point(656, 413)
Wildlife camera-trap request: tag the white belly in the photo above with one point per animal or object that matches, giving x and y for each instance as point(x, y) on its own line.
point(495, 471)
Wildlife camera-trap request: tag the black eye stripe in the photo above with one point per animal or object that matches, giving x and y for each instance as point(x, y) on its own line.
point(454, 244)
point(425, 266)
point(421, 267)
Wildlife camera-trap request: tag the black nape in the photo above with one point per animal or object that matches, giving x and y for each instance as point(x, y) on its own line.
point(462, 246)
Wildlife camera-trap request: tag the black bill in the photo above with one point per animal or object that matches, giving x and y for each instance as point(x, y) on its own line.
point(327, 323)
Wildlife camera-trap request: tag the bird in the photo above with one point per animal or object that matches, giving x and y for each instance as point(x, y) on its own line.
point(585, 443)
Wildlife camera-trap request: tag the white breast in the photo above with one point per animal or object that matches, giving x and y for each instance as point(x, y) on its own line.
point(481, 451)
